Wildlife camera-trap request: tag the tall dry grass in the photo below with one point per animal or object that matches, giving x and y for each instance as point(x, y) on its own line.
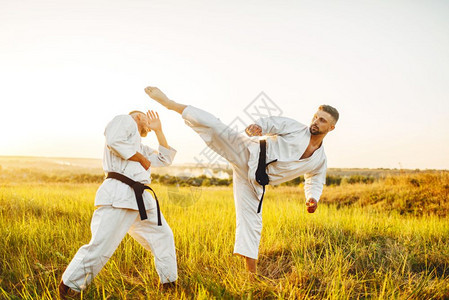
point(355, 250)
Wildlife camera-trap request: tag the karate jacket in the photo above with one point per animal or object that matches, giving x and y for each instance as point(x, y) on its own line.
point(287, 140)
point(123, 141)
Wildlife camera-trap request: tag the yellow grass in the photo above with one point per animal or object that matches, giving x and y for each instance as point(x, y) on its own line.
point(340, 252)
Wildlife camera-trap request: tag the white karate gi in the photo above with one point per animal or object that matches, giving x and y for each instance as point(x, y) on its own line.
point(287, 140)
point(117, 212)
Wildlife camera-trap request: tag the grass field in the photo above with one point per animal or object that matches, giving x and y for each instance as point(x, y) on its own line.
point(387, 239)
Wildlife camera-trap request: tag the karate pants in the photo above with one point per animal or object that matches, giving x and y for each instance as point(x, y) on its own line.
point(232, 146)
point(109, 226)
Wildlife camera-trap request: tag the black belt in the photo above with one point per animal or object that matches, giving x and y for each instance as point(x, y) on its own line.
point(138, 188)
point(261, 172)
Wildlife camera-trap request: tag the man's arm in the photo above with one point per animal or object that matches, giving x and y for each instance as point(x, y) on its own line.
point(161, 138)
point(166, 153)
point(313, 187)
point(273, 126)
point(162, 158)
point(154, 123)
point(138, 157)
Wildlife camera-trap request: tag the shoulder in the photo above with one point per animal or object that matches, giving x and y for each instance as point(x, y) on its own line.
point(122, 119)
point(289, 122)
point(301, 125)
point(121, 123)
point(296, 127)
point(297, 124)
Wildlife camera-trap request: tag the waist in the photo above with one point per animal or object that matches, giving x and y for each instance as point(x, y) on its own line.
point(139, 176)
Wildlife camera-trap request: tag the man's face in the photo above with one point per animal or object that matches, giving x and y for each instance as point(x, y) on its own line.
point(143, 125)
point(322, 123)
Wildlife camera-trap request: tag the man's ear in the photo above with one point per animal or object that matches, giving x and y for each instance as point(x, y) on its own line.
point(332, 127)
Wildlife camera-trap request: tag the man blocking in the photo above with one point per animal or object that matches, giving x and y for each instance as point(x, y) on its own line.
point(123, 206)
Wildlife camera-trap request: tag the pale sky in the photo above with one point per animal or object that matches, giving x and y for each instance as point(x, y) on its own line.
point(68, 67)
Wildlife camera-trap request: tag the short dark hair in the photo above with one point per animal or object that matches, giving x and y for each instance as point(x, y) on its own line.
point(330, 110)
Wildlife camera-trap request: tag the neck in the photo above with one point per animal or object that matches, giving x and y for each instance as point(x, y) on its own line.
point(317, 140)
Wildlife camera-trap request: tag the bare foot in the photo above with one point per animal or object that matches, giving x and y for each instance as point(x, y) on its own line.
point(159, 96)
point(169, 286)
point(65, 292)
point(251, 265)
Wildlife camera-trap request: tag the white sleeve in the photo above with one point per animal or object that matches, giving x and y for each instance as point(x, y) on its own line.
point(119, 134)
point(163, 157)
point(313, 184)
point(278, 125)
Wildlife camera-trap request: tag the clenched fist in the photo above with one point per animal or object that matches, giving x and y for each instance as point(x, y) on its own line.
point(253, 130)
point(311, 205)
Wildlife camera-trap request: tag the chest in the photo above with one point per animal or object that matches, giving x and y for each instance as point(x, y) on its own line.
point(309, 151)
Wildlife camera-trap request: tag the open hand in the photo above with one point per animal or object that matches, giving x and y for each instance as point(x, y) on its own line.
point(154, 123)
point(312, 205)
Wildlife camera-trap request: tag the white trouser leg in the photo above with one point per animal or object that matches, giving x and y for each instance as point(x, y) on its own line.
point(248, 221)
point(109, 225)
point(233, 146)
point(230, 144)
point(159, 240)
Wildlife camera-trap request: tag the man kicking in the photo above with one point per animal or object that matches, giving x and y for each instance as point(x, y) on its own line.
point(290, 149)
point(123, 206)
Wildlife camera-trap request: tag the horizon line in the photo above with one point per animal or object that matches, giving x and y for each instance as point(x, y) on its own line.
point(224, 166)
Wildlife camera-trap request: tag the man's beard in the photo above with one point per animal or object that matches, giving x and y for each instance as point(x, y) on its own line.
point(314, 131)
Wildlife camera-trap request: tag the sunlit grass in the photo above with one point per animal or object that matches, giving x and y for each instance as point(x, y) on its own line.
point(351, 251)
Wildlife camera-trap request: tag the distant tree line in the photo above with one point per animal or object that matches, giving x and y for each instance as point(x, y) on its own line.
point(27, 175)
point(202, 180)
point(334, 180)
point(331, 180)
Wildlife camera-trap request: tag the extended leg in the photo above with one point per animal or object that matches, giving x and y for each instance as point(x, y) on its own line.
point(227, 142)
point(109, 225)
